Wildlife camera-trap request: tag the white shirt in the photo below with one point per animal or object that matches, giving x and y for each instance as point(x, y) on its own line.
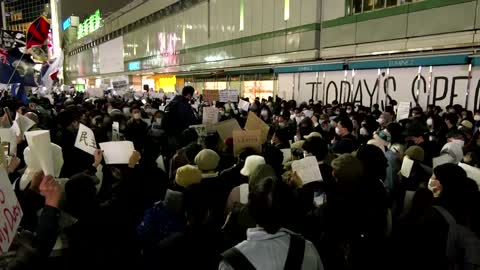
point(269, 251)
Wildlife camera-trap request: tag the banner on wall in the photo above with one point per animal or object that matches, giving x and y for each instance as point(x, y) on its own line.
point(111, 56)
point(440, 86)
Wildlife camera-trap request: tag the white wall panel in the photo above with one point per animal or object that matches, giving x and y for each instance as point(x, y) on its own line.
point(235, 18)
point(332, 9)
point(248, 17)
point(279, 23)
point(257, 20)
point(310, 11)
point(295, 13)
point(267, 15)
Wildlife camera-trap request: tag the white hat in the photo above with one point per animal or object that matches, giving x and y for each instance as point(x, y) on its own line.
point(251, 163)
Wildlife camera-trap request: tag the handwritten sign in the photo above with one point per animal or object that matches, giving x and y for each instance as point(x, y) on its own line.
point(243, 105)
point(10, 212)
point(246, 139)
point(210, 95)
point(86, 140)
point(307, 169)
point(228, 95)
point(403, 110)
point(407, 166)
point(39, 143)
point(255, 123)
point(117, 152)
point(210, 115)
point(226, 128)
point(201, 130)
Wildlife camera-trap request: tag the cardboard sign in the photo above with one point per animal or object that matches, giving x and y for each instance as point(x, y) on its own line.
point(117, 152)
point(255, 123)
point(210, 95)
point(472, 172)
point(246, 139)
point(85, 140)
point(243, 105)
point(407, 166)
point(307, 169)
point(10, 212)
point(39, 143)
point(403, 111)
point(226, 128)
point(228, 95)
point(210, 115)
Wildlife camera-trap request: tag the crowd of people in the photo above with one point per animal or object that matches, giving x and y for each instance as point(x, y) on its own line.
point(185, 201)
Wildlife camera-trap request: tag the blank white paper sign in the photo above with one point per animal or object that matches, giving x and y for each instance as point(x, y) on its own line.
point(117, 152)
point(407, 166)
point(307, 169)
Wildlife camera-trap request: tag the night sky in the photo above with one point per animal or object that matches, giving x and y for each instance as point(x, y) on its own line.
point(83, 8)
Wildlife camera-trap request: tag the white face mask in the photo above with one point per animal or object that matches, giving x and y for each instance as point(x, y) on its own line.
point(298, 119)
point(292, 117)
point(349, 111)
point(429, 122)
point(363, 131)
point(337, 131)
point(381, 120)
point(158, 120)
point(461, 142)
point(137, 116)
point(434, 187)
point(476, 117)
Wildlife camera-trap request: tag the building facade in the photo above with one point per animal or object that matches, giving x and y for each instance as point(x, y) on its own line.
point(19, 14)
point(293, 48)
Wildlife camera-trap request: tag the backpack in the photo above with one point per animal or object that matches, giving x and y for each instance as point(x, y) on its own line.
point(169, 116)
point(296, 250)
point(463, 246)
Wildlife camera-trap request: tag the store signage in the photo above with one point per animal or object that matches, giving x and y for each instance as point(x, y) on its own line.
point(134, 66)
point(89, 25)
point(67, 23)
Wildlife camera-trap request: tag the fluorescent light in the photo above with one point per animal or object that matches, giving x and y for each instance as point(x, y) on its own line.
point(286, 10)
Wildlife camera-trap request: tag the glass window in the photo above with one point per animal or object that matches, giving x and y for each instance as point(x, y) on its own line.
point(368, 5)
point(391, 3)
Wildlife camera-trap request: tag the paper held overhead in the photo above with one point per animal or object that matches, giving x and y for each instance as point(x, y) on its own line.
point(39, 143)
point(85, 140)
point(117, 152)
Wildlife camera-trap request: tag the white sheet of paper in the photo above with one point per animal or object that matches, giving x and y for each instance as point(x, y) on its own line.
point(85, 140)
point(472, 172)
point(8, 135)
point(34, 165)
point(403, 110)
point(39, 143)
point(243, 105)
point(117, 152)
point(307, 169)
point(24, 123)
point(443, 159)
point(162, 108)
point(287, 155)
point(210, 115)
point(161, 163)
point(407, 166)
point(115, 131)
point(308, 113)
point(10, 210)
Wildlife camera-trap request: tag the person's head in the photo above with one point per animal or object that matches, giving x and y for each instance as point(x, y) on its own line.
point(374, 161)
point(136, 113)
point(251, 164)
point(376, 106)
point(349, 109)
point(188, 175)
point(344, 127)
point(476, 117)
point(317, 147)
point(315, 119)
point(207, 160)
point(273, 156)
point(267, 201)
point(283, 118)
point(281, 136)
point(188, 92)
point(451, 119)
point(415, 132)
point(348, 171)
point(449, 181)
point(80, 196)
point(157, 117)
point(417, 112)
point(384, 119)
point(188, 136)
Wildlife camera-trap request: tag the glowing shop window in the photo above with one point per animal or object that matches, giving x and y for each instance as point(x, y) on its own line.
point(260, 89)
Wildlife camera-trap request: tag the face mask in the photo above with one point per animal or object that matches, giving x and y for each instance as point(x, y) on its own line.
point(461, 142)
point(264, 113)
point(292, 117)
point(381, 121)
point(363, 131)
point(137, 116)
point(315, 124)
point(337, 131)
point(476, 117)
point(349, 111)
point(158, 120)
point(429, 122)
